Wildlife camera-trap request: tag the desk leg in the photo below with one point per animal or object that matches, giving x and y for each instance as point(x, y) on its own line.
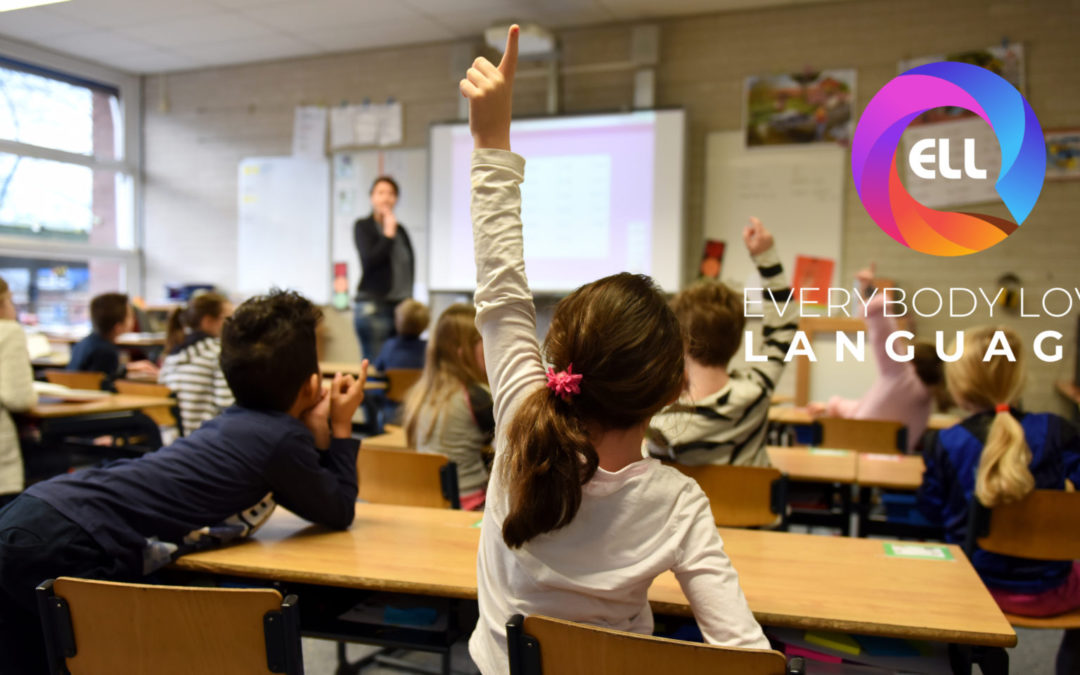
point(991, 660)
point(845, 501)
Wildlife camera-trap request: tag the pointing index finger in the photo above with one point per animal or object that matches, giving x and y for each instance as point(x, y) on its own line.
point(508, 65)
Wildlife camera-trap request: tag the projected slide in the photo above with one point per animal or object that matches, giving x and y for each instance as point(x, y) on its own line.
point(602, 194)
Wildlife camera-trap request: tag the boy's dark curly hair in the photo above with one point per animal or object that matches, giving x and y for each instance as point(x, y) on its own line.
point(268, 349)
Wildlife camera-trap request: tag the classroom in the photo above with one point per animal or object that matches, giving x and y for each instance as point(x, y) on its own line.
point(539, 336)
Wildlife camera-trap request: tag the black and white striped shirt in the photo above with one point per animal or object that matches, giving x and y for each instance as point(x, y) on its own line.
point(193, 373)
point(729, 426)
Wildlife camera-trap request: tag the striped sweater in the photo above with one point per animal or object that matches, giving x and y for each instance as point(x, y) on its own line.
point(193, 372)
point(729, 426)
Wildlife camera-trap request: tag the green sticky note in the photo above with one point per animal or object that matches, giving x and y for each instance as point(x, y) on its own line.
point(827, 451)
point(478, 523)
point(922, 551)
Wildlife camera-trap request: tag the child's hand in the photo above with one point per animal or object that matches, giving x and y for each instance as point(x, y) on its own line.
point(143, 366)
point(757, 238)
point(346, 395)
point(316, 419)
point(489, 90)
point(865, 276)
point(816, 409)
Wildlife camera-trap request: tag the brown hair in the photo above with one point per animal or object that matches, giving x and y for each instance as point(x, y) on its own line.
point(389, 181)
point(930, 370)
point(107, 310)
point(712, 320)
point(1003, 475)
point(622, 337)
point(449, 363)
point(3, 286)
point(190, 317)
point(411, 318)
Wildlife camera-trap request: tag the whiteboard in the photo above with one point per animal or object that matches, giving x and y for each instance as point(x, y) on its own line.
point(352, 177)
point(798, 193)
point(283, 235)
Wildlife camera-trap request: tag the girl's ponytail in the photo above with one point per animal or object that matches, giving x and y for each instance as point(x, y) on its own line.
point(552, 458)
point(174, 330)
point(1003, 475)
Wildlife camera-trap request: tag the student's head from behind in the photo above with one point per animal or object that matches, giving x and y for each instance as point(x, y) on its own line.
point(1003, 475)
point(411, 318)
point(930, 370)
point(621, 336)
point(7, 306)
point(384, 194)
point(268, 352)
point(205, 312)
point(111, 315)
point(454, 357)
point(712, 320)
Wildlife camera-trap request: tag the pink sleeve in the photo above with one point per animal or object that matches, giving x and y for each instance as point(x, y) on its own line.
point(878, 328)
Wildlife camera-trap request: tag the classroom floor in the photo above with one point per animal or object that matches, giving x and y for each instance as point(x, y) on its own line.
point(1033, 655)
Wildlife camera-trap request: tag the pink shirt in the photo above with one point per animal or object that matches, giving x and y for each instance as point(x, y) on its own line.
point(897, 393)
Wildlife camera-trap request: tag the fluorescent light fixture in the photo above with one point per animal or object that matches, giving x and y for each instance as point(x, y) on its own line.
point(8, 5)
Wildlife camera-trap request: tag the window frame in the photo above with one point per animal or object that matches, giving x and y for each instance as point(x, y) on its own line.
point(130, 88)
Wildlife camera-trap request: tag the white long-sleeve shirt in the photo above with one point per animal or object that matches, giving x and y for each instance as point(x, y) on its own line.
point(632, 525)
point(16, 395)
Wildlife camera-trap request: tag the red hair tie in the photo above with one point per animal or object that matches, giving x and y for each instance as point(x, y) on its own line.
point(565, 383)
point(1001, 408)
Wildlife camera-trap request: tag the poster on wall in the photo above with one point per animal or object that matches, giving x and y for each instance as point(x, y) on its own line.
point(799, 108)
point(1005, 60)
point(1063, 154)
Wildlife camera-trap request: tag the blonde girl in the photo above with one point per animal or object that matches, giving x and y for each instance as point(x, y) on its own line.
point(448, 411)
point(577, 523)
point(998, 455)
point(16, 394)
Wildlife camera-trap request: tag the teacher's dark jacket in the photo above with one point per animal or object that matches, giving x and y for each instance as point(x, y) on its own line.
point(374, 249)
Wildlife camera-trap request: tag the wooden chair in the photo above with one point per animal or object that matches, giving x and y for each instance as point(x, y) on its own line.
point(742, 496)
point(399, 381)
point(540, 644)
point(407, 478)
point(75, 379)
point(102, 627)
point(1042, 526)
point(165, 416)
point(880, 436)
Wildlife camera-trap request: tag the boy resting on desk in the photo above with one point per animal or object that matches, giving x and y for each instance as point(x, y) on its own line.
point(286, 440)
point(111, 316)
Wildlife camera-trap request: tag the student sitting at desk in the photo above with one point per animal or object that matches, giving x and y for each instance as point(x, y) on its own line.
point(110, 316)
point(722, 416)
point(577, 523)
point(16, 394)
point(192, 368)
point(406, 349)
point(448, 410)
point(998, 455)
point(287, 440)
point(903, 391)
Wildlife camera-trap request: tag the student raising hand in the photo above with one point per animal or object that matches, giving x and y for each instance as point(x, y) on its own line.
point(757, 238)
point(490, 93)
point(346, 395)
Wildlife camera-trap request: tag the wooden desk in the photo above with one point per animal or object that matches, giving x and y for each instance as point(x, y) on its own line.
point(109, 404)
point(782, 414)
point(393, 438)
point(790, 580)
point(54, 360)
point(897, 472)
point(329, 368)
point(819, 466)
point(125, 340)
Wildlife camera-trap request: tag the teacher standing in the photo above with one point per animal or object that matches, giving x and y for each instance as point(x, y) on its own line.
point(386, 256)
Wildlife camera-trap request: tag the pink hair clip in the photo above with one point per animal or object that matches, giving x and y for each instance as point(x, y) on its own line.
point(565, 383)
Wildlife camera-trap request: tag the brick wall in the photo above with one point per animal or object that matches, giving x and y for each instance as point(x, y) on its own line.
point(198, 125)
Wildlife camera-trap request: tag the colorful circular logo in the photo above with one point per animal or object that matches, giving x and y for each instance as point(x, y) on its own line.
point(877, 138)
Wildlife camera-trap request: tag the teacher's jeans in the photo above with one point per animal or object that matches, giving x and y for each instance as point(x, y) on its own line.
point(374, 321)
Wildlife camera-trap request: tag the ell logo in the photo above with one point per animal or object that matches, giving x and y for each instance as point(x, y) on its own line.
point(877, 137)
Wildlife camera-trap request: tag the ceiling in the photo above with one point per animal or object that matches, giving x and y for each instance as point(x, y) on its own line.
point(153, 36)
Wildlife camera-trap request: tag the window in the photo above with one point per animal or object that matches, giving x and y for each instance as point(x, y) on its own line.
point(68, 184)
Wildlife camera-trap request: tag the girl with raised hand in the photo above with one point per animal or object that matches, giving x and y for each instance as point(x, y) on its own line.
point(578, 524)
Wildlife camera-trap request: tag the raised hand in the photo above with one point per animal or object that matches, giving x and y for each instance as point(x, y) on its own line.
point(865, 276)
point(490, 93)
point(756, 237)
point(346, 395)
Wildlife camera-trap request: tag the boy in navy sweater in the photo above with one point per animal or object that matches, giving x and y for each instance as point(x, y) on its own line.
point(286, 441)
point(111, 316)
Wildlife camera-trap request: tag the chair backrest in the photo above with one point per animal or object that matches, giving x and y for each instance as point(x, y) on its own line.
point(1041, 526)
point(741, 496)
point(407, 478)
point(166, 416)
point(75, 379)
point(399, 381)
point(101, 627)
point(880, 436)
point(539, 644)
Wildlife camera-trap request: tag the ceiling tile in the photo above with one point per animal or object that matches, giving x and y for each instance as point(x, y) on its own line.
point(313, 14)
point(95, 44)
point(214, 27)
point(243, 51)
point(117, 13)
point(373, 35)
point(37, 22)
